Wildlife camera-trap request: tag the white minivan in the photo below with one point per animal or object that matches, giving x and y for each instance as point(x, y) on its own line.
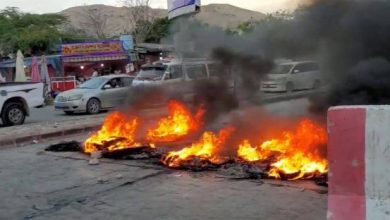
point(287, 77)
point(177, 76)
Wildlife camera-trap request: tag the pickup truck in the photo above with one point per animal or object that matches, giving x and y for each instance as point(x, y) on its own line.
point(16, 99)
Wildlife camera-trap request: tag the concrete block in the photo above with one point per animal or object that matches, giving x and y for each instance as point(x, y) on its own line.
point(359, 156)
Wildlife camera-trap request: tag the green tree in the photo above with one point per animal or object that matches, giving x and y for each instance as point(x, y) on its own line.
point(246, 27)
point(31, 33)
point(160, 29)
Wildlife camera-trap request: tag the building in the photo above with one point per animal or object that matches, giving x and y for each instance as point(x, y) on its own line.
point(105, 57)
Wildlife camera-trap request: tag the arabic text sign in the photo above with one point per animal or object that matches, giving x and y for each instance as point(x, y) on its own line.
point(80, 49)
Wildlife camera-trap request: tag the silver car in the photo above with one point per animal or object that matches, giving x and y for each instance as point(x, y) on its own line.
point(293, 76)
point(96, 94)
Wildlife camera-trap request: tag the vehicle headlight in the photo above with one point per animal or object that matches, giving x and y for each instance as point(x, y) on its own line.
point(75, 97)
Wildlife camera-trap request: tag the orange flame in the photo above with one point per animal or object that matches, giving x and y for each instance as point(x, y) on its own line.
point(179, 123)
point(117, 129)
point(296, 153)
point(205, 149)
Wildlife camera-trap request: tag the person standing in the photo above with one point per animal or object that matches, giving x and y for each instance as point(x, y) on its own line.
point(2, 79)
point(95, 73)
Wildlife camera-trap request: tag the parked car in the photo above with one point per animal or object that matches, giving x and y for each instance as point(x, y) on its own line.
point(96, 94)
point(287, 77)
point(177, 77)
point(16, 99)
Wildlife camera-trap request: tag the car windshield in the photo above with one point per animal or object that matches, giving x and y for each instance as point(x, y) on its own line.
point(154, 73)
point(93, 83)
point(282, 69)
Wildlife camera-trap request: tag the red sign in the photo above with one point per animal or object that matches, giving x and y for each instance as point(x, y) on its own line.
point(98, 48)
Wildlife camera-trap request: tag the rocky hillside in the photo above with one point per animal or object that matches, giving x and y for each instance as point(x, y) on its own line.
point(113, 20)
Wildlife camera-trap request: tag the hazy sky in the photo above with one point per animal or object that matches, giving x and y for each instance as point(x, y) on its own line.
point(43, 6)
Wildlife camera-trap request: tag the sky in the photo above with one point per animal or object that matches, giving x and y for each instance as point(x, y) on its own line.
point(47, 6)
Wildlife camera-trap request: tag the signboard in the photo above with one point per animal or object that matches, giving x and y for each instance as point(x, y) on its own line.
point(181, 7)
point(98, 48)
point(127, 42)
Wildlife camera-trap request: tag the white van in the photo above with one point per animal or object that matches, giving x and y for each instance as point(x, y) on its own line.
point(161, 73)
point(177, 76)
point(287, 77)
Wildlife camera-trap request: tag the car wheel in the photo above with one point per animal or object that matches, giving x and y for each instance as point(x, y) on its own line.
point(289, 87)
point(317, 84)
point(68, 112)
point(13, 114)
point(93, 106)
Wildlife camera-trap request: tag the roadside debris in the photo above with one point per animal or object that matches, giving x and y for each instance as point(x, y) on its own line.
point(119, 176)
point(95, 156)
point(322, 180)
point(241, 171)
point(102, 180)
point(71, 146)
point(135, 153)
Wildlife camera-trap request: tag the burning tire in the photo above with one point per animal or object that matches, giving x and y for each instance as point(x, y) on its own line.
point(13, 114)
point(93, 106)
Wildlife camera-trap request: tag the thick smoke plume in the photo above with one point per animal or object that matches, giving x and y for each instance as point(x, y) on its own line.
point(349, 38)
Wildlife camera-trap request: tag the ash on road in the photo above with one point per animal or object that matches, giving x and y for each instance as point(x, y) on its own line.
point(46, 185)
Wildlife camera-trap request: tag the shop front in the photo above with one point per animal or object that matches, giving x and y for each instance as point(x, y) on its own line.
point(83, 60)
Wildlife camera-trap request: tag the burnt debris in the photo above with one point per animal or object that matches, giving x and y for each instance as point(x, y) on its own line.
point(134, 153)
point(72, 146)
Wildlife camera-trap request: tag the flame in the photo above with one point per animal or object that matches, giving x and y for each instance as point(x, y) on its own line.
point(117, 132)
point(179, 123)
point(206, 148)
point(296, 153)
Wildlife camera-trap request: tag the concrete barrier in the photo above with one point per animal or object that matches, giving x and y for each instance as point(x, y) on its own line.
point(359, 163)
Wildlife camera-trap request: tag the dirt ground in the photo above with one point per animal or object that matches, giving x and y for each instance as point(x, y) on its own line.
point(45, 185)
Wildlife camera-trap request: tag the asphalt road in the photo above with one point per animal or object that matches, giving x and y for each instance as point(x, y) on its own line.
point(280, 103)
point(46, 185)
point(48, 114)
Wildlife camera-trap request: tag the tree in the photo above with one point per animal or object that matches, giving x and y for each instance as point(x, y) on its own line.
point(95, 20)
point(242, 28)
point(159, 30)
point(31, 33)
point(141, 18)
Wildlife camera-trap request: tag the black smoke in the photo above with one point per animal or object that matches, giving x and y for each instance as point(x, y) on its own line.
point(351, 39)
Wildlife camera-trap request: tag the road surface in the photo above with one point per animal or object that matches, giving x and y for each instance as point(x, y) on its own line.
point(48, 114)
point(275, 102)
point(46, 185)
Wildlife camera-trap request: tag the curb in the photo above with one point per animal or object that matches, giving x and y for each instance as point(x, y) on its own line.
point(49, 132)
point(37, 137)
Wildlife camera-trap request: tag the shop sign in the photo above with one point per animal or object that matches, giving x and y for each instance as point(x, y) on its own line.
point(98, 48)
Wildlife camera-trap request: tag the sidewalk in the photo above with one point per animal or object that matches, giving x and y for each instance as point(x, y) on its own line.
point(14, 136)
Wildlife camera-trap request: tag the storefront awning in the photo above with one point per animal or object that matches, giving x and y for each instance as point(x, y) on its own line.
point(99, 58)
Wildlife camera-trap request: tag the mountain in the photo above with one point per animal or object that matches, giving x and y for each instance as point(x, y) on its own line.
point(227, 16)
point(113, 20)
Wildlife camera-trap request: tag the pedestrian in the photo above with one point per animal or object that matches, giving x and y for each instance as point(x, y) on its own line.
point(2, 79)
point(95, 73)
